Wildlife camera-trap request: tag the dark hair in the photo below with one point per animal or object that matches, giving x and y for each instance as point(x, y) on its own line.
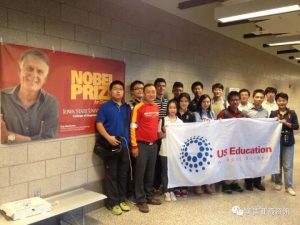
point(177, 84)
point(201, 99)
point(217, 85)
point(169, 103)
point(34, 52)
point(195, 84)
point(148, 85)
point(135, 83)
point(232, 94)
point(115, 82)
point(244, 90)
point(258, 91)
point(282, 95)
point(271, 90)
point(159, 80)
point(184, 95)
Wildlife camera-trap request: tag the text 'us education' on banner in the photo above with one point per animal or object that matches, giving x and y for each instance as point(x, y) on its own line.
point(209, 152)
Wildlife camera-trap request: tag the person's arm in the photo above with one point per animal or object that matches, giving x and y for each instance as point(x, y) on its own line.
point(111, 139)
point(293, 124)
point(161, 132)
point(133, 127)
point(5, 133)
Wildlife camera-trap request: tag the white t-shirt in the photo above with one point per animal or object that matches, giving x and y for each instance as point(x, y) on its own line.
point(163, 147)
point(269, 106)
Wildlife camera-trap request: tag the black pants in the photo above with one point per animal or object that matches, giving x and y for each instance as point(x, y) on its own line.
point(115, 180)
point(144, 172)
point(158, 169)
point(250, 182)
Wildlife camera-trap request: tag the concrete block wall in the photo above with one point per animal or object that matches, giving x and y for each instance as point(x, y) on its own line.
point(153, 44)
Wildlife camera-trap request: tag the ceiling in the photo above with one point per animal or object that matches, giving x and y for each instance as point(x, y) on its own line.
point(268, 29)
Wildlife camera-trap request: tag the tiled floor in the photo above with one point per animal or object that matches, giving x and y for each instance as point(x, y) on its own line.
point(217, 209)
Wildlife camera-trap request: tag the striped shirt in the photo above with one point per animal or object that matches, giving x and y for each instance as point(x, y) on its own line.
point(162, 105)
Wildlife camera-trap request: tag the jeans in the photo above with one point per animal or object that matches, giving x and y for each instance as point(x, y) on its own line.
point(115, 180)
point(287, 164)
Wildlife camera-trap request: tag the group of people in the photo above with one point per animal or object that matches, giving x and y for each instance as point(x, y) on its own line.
point(145, 137)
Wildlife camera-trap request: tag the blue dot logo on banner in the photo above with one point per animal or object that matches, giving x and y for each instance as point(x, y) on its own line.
point(195, 154)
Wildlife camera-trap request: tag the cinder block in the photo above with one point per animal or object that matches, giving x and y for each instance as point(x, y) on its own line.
point(88, 5)
point(99, 22)
point(14, 155)
point(14, 4)
point(121, 55)
point(98, 51)
point(60, 165)
point(27, 172)
point(121, 29)
point(46, 186)
point(13, 193)
point(87, 160)
point(73, 146)
point(74, 47)
point(4, 176)
point(88, 35)
point(132, 45)
point(43, 150)
point(110, 40)
point(3, 17)
point(91, 143)
point(60, 29)
point(43, 41)
point(48, 9)
point(74, 15)
point(74, 179)
point(13, 36)
point(95, 173)
point(25, 21)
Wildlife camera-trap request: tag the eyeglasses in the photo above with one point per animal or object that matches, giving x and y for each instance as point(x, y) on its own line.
point(136, 89)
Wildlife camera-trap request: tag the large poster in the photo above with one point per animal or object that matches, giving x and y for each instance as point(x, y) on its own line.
point(36, 84)
point(209, 152)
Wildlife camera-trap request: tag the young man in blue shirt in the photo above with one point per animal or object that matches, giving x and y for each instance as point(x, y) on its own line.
point(113, 120)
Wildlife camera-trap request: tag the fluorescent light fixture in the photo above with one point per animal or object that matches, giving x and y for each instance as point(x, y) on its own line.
point(284, 43)
point(297, 58)
point(253, 9)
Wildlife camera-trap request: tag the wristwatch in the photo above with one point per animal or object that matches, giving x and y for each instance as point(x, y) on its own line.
point(11, 137)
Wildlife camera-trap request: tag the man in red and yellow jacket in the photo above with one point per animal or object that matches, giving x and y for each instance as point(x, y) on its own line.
point(144, 135)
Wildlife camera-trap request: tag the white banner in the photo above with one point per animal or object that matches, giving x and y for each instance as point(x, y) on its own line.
point(209, 152)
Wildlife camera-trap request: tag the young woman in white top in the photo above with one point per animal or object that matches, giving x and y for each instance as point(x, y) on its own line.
point(171, 118)
point(203, 114)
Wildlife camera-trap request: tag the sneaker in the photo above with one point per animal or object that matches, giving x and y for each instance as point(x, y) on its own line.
point(260, 187)
point(226, 188)
point(177, 192)
point(278, 187)
point(143, 207)
point(167, 197)
point(116, 210)
point(173, 197)
point(208, 189)
point(291, 191)
point(198, 190)
point(236, 187)
point(184, 193)
point(124, 207)
point(249, 187)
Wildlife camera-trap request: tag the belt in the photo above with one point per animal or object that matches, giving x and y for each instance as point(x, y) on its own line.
point(147, 143)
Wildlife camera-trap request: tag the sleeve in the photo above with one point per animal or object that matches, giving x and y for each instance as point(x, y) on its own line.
point(134, 125)
point(213, 115)
point(101, 115)
point(50, 123)
point(273, 114)
point(294, 122)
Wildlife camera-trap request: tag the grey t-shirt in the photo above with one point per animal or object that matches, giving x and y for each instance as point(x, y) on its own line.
point(256, 113)
point(39, 121)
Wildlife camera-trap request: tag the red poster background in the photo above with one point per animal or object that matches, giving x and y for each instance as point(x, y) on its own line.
point(81, 115)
